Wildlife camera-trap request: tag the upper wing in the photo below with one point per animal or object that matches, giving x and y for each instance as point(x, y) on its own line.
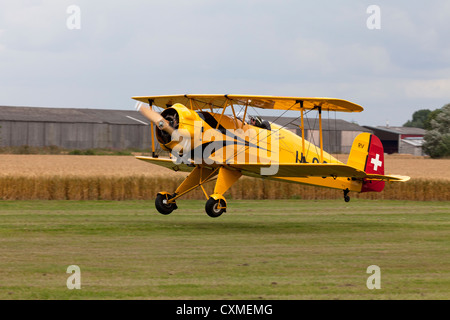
point(201, 101)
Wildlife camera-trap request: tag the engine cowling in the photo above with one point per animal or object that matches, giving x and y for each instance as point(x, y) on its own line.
point(182, 120)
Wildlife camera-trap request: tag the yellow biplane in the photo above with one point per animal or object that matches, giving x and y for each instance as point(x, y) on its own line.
point(211, 145)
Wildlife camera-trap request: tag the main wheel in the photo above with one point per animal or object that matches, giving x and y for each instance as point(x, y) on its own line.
point(214, 208)
point(163, 206)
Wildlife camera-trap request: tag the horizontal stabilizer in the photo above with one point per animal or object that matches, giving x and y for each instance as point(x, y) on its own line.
point(389, 178)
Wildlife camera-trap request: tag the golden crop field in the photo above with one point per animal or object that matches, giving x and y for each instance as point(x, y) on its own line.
point(123, 166)
point(77, 166)
point(76, 177)
point(416, 167)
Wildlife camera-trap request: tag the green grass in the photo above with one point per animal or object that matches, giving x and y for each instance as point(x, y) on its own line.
point(266, 249)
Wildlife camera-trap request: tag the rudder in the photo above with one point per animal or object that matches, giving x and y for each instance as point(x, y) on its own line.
point(367, 154)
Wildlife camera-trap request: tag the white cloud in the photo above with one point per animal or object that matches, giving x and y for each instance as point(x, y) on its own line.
point(135, 47)
point(33, 25)
point(428, 89)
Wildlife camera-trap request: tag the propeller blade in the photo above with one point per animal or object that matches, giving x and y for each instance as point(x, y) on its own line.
point(155, 118)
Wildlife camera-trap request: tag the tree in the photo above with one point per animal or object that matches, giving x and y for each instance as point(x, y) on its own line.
point(437, 139)
point(432, 116)
point(419, 119)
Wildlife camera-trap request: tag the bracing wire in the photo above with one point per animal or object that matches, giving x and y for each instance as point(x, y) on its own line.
point(271, 131)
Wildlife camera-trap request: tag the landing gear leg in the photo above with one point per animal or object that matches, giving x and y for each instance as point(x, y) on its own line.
point(346, 196)
point(165, 202)
point(216, 204)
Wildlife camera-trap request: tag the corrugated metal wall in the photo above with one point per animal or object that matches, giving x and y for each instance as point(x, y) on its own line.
point(75, 135)
point(332, 141)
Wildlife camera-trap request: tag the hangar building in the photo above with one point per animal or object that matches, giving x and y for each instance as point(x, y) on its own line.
point(73, 128)
point(338, 135)
point(400, 139)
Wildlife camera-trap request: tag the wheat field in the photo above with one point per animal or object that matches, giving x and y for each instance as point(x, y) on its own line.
point(124, 166)
point(78, 166)
point(66, 177)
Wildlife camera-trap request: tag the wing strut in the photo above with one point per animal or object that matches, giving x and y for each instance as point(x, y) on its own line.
point(234, 114)
point(152, 131)
point(221, 116)
point(302, 126)
point(320, 134)
point(245, 114)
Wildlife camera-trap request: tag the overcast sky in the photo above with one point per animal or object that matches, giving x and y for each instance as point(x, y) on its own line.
point(292, 48)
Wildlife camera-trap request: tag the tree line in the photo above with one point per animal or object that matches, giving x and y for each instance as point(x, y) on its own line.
point(437, 123)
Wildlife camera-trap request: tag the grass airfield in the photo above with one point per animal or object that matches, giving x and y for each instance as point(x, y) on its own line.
point(261, 249)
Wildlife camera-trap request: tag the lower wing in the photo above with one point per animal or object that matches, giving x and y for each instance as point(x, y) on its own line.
point(168, 163)
point(283, 170)
point(304, 170)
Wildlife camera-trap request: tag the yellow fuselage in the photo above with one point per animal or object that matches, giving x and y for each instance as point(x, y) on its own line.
point(219, 138)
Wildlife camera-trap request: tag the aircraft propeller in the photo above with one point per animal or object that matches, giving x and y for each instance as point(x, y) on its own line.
point(155, 117)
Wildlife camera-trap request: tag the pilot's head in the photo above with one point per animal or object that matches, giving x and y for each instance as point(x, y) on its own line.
point(255, 121)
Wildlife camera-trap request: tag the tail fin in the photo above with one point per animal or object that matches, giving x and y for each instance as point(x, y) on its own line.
point(367, 154)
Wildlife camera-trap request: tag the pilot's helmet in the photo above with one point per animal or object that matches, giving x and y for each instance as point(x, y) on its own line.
point(256, 121)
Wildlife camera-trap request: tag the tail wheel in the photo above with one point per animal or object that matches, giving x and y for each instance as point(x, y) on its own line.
point(214, 208)
point(162, 204)
point(346, 196)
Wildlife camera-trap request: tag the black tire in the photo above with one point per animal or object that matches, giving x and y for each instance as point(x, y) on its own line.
point(347, 199)
point(212, 209)
point(162, 207)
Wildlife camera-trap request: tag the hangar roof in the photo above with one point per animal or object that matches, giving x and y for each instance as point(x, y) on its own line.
point(313, 124)
point(73, 115)
point(38, 114)
point(399, 130)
